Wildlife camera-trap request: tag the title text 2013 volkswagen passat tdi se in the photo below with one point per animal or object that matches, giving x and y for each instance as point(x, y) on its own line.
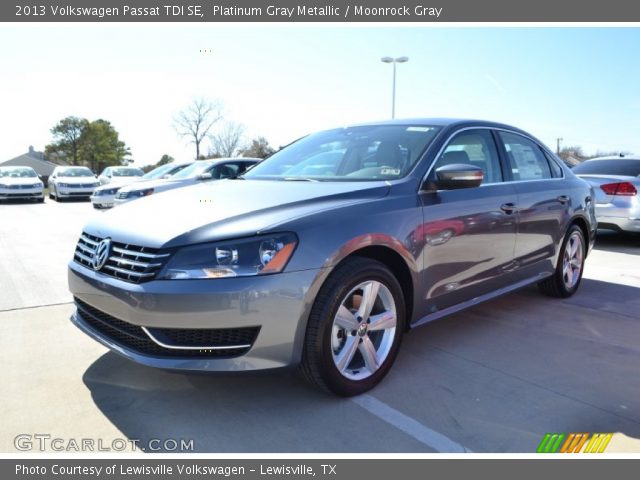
point(326, 253)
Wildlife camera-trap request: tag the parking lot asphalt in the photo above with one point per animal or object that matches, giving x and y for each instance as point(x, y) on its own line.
point(494, 378)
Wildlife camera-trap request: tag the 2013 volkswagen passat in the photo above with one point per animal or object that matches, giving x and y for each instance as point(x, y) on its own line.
point(326, 253)
point(20, 183)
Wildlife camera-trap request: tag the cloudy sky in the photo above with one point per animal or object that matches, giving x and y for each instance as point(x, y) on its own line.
point(282, 82)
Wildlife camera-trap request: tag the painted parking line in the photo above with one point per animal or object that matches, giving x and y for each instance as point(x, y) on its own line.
point(408, 425)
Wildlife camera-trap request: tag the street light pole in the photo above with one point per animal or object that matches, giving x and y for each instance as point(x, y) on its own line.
point(393, 87)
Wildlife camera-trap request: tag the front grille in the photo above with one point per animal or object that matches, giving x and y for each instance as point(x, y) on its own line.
point(127, 262)
point(134, 337)
point(220, 337)
point(23, 195)
point(22, 187)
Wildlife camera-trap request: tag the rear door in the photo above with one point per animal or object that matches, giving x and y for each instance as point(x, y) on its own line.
point(468, 235)
point(544, 204)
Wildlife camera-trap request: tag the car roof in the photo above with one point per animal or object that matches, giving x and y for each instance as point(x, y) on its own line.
point(613, 157)
point(440, 122)
point(14, 167)
point(214, 161)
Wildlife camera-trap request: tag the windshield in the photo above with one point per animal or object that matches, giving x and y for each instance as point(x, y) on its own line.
point(162, 170)
point(76, 172)
point(376, 152)
point(193, 170)
point(127, 172)
point(17, 172)
point(626, 168)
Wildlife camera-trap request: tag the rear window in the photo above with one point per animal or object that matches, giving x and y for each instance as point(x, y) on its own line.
point(622, 167)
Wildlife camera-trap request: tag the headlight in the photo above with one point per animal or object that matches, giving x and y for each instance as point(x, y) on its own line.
point(4, 185)
point(233, 258)
point(109, 191)
point(140, 193)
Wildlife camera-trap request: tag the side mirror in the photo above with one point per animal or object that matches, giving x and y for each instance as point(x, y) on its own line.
point(458, 175)
point(205, 176)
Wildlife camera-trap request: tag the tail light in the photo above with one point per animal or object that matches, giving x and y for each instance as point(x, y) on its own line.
point(619, 188)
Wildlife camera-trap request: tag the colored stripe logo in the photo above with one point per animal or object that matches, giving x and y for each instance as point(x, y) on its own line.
point(574, 443)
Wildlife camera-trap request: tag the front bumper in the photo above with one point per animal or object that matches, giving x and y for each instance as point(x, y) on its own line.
point(74, 192)
point(21, 194)
point(103, 201)
point(277, 305)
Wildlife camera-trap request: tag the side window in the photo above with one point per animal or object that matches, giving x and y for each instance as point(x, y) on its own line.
point(556, 171)
point(473, 147)
point(226, 170)
point(526, 158)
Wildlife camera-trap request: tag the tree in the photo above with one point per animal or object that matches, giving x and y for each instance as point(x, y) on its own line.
point(163, 161)
point(67, 139)
point(259, 148)
point(195, 121)
point(100, 146)
point(226, 142)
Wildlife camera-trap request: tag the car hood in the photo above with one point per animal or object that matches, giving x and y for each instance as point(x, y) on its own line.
point(119, 183)
point(20, 181)
point(77, 180)
point(122, 180)
point(158, 184)
point(225, 209)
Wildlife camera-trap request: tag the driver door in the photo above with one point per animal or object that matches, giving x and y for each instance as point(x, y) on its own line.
point(468, 235)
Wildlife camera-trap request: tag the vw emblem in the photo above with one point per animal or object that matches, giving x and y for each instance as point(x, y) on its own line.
point(101, 254)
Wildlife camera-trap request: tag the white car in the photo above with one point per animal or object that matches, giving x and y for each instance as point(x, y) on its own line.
point(20, 183)
point(104, 196)
point(72, 182)
point(199, 171)
point(120, 175)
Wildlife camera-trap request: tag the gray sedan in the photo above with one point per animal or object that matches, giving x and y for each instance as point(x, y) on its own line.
point(324, 254)
point(616, 182)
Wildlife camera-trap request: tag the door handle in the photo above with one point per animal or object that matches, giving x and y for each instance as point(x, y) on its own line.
point(563, 199)
point(508, 208)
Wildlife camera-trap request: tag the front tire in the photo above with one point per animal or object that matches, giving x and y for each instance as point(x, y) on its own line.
point(355, 328)
point(568, 273)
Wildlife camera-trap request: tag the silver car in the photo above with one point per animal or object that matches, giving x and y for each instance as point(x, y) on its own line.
point(324, 254)
point(104, 196)
point(72, 182)
point(616, 182)
point(199, 171)
point(20, 183)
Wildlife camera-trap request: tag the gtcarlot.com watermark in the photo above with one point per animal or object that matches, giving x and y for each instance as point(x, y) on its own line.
point(44, 442)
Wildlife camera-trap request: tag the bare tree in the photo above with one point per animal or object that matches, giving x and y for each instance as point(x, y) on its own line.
point(195, 121)
point(226, 142)
point(259, 148)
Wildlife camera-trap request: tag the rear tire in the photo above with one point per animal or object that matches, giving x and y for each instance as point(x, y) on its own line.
point(568, 273)
point(355, 328)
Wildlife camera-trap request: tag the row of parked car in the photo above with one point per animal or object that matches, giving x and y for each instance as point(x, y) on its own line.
point(115, 185)
point(616, 182)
